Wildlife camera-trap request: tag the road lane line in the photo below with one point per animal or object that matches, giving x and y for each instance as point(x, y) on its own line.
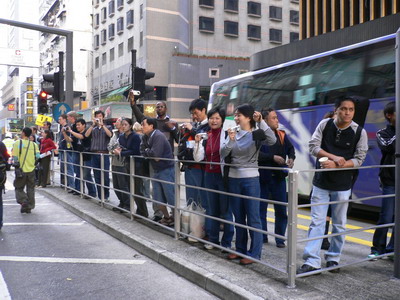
point(17, 204)
point(43, 224)
point(4, 293)
point(72, 260)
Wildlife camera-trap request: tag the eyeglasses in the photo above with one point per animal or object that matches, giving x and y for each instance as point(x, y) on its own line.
point(338, 133)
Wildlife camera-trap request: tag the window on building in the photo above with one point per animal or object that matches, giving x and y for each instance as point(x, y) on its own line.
point(231, 28)
point(120, 25)
point(96, 41)
point(130, 44)
point(254, 8)
point(129, 18)
point(294, 17)
point(104, 58)
point(231, 5)
point(294, 1)
point(120, 4)
point(103, 14)
point(206, 24)
point(120, 49)
point(103, 36)
point(141, 11)
point(96, 21)
point(141, 39)
point(275, 13)
point(96, 3)
point(207, 3)
point(111, 31)
point(254, 32)
point(275, 35)
point(129, 1)
point(111, 8)
point(111, 54)
point(294, 36)
point(96, 62)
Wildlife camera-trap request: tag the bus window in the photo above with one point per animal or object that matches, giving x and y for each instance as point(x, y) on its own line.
point(226, 96)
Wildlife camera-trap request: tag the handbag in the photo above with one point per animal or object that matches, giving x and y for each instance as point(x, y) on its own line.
point(197, 228)
point(18, 170)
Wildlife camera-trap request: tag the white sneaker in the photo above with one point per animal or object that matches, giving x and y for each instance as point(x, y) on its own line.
point(208, 246)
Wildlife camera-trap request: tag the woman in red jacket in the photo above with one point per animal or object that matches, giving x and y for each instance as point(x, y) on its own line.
point(46, 146)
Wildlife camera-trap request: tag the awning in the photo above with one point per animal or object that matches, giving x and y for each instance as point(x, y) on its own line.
point(119, 91)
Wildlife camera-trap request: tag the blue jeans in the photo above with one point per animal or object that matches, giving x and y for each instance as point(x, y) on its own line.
point(96, 163)
point(275, 189)
point(70, 168)
point(1, 207)
point(218, 205)
point(386, 216)
point(317, 227)
point(77, 169)
point(195, 177)
point(246, 212)
point(164, 192)
point(87, 176)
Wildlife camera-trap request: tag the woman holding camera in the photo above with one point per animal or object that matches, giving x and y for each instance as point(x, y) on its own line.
point(208, 148)
point(243, 147)
point(46, 146)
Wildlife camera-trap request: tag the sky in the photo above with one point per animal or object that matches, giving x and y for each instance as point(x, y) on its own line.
point(3, 42)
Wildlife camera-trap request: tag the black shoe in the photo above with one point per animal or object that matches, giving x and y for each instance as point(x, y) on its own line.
point(307, 268)
point(71, 191)
point(117, 209)
point(330, 264)
point(280, 245)
point(156, 218)
point(265, 241)
point(325, 244)
point(25, 209)
point(75, 193)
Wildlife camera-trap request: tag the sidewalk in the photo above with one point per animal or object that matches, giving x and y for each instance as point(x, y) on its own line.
point(229, 280)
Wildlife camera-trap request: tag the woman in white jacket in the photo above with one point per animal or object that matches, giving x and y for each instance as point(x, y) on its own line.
point(208, 149)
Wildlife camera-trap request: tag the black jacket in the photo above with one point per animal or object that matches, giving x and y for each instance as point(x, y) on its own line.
point(386, 139)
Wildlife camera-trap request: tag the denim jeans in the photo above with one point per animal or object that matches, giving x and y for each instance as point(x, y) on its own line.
point(87, 176)
point(274, 190)
point(1, 207)
point(312, 249)
point(164, 192)
point(218, 205)
point(121, 182)
point(386, 216)
point(70, 168)
point(195, 177)
point(246, 212)
point(77, 170)
point(96, 163)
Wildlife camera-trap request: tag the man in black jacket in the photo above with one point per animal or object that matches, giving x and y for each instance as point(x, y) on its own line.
point(386, 139)
point(3, 177)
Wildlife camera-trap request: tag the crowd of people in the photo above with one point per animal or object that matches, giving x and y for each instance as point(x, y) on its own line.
point(215, 159)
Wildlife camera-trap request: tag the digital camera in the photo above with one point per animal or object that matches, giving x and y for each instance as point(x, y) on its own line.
point(204, 135)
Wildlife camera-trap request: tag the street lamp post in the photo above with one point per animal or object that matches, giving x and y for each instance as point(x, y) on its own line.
point(92, 52)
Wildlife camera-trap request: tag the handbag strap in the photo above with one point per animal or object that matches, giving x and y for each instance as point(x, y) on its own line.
point(20, 151)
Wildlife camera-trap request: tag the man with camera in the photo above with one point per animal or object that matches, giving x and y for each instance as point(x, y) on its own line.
point(65, 154)
point(101, 135)
point(25, 155)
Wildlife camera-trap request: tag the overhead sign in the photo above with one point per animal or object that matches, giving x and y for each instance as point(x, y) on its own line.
point(11, 107)
point(19, 57)
point(41, 119)
point(59, 109)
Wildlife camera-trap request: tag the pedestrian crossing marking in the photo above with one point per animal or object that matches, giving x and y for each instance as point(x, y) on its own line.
point(72, 260)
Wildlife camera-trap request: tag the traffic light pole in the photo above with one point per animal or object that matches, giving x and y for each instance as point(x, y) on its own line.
point(69, 89)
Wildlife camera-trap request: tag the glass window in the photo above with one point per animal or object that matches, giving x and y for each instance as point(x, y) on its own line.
point(294, 36)
point(103, 36)
point(141, 38)
point(129, 18)
point(96, 62)
point(103, 14)
point(130, 44)
point(254, 8)
point(120, 4)
point(254, 32)
point(111, 31)
point(120, 25)
point(96, 20)
point(294, 17)
point(231, 28)
point(206, 24)
point(231, 5)
point(141, 11)
point(129, 1)
point(96, 41)
point(120, 49)
point(111, 54)
point(207, 3)
point(111, 8)
point(275, 13)
point(275, 35)
point(104, 58)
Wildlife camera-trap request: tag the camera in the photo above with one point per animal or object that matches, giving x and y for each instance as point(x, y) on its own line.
point(204, 135)
point(236, 128)
point(16, 164)
point(135, 93)
point(181, 126)
point(97, 120)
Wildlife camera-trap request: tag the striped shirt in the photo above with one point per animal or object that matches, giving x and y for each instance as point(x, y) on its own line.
point(100, 139)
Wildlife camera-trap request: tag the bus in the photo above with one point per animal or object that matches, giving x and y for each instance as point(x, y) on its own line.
point(303, 90)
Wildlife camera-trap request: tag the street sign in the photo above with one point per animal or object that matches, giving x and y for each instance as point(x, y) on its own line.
point(59, 109)
point(41, 119)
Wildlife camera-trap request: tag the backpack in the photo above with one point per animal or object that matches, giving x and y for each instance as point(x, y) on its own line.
point(3, 171)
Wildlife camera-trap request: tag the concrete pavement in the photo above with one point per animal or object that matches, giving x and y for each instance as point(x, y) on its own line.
point(229, 280)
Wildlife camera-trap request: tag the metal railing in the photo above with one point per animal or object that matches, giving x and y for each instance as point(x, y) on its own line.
point(292, 205)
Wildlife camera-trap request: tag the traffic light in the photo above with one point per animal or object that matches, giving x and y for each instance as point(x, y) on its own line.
point(139, 83)
point(42, 106)
point(51, 85)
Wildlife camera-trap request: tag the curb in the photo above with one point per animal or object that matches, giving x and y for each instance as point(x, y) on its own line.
point(209, 281)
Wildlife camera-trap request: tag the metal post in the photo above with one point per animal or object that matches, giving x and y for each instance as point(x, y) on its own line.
point(177, 217)
point(397, 184)
point(102, 178)
point(82, 183)
point(52, 169)
point(65, 170)
point(292, 227)
point(132, 183)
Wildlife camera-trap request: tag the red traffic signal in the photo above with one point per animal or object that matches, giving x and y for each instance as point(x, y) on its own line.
point(43, 95)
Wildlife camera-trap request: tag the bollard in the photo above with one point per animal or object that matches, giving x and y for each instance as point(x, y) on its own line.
point(177, 217)
point(292, 227)
point(132, 183)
